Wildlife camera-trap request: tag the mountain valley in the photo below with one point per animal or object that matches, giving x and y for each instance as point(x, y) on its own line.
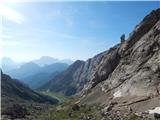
point(121, 83)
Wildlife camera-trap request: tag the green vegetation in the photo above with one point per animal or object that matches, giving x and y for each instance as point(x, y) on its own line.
point(84, 112)
point(64, 111)
point(62, 98)
point(19, 101)
point(67, 113)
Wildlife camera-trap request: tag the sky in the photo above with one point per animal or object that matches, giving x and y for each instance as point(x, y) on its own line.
point(66, 30)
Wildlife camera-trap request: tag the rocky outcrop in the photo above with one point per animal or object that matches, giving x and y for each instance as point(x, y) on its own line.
point(128, 70)
point(132, 67)
point(139, 68)
point(129, 73)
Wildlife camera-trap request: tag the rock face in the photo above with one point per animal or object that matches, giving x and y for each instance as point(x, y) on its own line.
point(68, 81)
point(130, 69)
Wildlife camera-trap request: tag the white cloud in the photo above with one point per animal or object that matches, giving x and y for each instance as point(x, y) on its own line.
point(11, 14)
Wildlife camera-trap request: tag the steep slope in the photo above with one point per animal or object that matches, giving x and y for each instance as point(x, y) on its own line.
point(13, 90)
point(129, 75)
point(66, 82)
point(128, 70)
point(134, 62)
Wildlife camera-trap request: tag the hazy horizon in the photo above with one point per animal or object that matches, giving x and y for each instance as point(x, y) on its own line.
point(26, 61)
point(67, 30)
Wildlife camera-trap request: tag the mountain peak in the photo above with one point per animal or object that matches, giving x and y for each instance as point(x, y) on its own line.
point(47, 60)
point(8, 64)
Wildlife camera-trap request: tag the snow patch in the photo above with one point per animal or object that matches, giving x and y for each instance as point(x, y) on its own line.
point(155, 110)
point(117, 94)
point(103, 89)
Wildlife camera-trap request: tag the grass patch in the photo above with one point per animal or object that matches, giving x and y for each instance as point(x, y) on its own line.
point(62, 98)
point(88, 112)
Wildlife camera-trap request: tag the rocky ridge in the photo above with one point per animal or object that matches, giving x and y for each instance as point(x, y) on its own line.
point(133, 68)
point(128, 73)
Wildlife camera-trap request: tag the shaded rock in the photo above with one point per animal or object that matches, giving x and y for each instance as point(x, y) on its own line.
point(38, 107)
point(156, 115)
point(70, 114)
point(122, 38)
point(16, 111)
point(75, 107)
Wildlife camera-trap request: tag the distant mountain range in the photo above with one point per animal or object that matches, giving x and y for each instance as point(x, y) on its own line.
point(35, 75)
point(8, 64)
point(67, 81)
point(36, 72)
point(46, 60)
point(43, 75)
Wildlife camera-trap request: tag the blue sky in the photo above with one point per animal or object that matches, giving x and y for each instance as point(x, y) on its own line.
point(74, 30)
